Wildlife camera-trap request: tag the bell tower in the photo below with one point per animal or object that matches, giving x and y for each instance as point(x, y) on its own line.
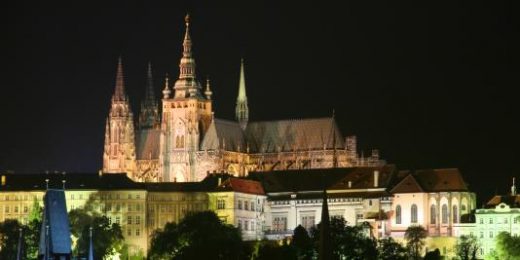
point(119, 149)
point(185, 118)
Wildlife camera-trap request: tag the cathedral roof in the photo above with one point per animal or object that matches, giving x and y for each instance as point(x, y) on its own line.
point(223, 133)
point(147, 144)
point(289, 135)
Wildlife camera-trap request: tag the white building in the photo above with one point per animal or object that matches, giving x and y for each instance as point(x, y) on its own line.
point(295, 197)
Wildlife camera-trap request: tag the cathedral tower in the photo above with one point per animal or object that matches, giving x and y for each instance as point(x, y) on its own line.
point(149, 116)
point(241, 109)
point(185, 118)
point(119, 150)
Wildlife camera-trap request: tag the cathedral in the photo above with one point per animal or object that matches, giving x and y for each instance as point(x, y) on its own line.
point(179, 139)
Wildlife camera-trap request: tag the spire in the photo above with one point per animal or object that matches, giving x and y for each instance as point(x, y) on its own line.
point(241, 109)
point(513, 188)
point(119, 94)
point(166, 91)
point(149, 116)
point(208, 92)
point(187, 66)
point(90, 246)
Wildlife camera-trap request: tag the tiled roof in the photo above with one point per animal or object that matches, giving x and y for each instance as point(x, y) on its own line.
point(223, 133)
point(431, 180)
point(147, 144)
point(81, 181)
point(241, 185)
point(318, 179)
point(511, 201)
point(288, 135)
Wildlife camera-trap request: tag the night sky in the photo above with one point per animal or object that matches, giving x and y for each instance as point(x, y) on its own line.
point(432, 85)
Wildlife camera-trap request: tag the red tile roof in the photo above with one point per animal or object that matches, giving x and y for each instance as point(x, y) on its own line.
point(241, 185)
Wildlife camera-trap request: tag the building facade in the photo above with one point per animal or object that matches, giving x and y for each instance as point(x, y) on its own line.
point(179, 139)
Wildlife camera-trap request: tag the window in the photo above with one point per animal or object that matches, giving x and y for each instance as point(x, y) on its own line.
point(369, 202)
point(481, 220)
point(246, 205)
point(25, 209)
point(308, 221)
point(252, 206)
point(398, 214)
point(463, 208)
point(490, 220)
point(137, 207)
point(455, 214)
point(118, 207)
point(239, 204)
point(221, 204)
point(118, 220)
point(137, 232)
point(109, 207)
point(490, 234)
point(15, 209)
point(129, 196)
point(505, 220)
point(246, 225)
point(240, 224)
point(444, 214)
point(280, 223)
point(413, 212)
point(129, 222)
point(515, 219)
point(433, 214)
point(138, 220)
point(6, 209)
point(129, 231)
point(481, 234)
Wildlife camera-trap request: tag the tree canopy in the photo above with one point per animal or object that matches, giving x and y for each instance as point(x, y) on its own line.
point(200, 235)
point(415, 236)
point(507, 246)
point(467, 247)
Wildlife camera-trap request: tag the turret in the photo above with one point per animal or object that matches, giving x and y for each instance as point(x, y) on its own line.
point(149, 116)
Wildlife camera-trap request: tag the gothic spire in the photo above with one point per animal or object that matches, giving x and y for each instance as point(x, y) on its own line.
point(119, 94)
point(149, 116)
point(208, 91)
point(187, 66)
point(241, 109)
point(166, 91)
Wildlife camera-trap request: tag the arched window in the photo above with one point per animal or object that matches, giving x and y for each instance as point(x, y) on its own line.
point(455, 214)
point(413, 212)
point(398, 214)
point(177, 142)
point(463, 208)
point(433, 214)
point(182, 141)
point(444, 214)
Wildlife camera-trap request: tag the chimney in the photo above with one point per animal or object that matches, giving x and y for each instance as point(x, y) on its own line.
point(513, 188)
point(219, 181)
point(376, 178)
point(350, 184)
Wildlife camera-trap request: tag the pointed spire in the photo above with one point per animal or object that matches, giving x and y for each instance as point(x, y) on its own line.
point(149, 116)
point(242, 109)
point(119, 94)
point(208, 92)
point(513, 188)
point(90, 246)
point(166, 91)
point(187, 65)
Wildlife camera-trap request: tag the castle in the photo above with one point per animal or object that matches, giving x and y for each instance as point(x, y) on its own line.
point(182, 141)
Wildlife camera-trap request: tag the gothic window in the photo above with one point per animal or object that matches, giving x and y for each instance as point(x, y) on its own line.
point(433, 214)
point(398, 214)
point(455, 214)
point(413, 212)
point(177, 142)
point(182, 142)
point(463, 208)
point(444, 214)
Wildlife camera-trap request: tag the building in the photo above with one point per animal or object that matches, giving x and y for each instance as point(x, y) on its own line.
point(500, 214)
point(435, 199)
point(185, 141)
point(356, 194)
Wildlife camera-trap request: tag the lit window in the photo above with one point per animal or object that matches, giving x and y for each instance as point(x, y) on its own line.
point(490, 220)
point(280, 224)
point(455, 214)
point(398, 214)
point(221, 204)
point(15, 209)
point(308, 222)
point(414, 213)
point(444, 214)
point(433, 214)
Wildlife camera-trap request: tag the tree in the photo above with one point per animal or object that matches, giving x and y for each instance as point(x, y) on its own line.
point(200, 235)
point(433, 255)
point(389, 249)
point(270, 250)
point(9, 235)
point(32, 230)
point(415, 236)
point(350, 242)
point(507, 246)
point(107, 238)
point(467, 247)
point(302, 243)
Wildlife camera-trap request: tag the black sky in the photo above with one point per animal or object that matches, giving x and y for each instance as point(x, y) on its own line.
point(431, 85)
